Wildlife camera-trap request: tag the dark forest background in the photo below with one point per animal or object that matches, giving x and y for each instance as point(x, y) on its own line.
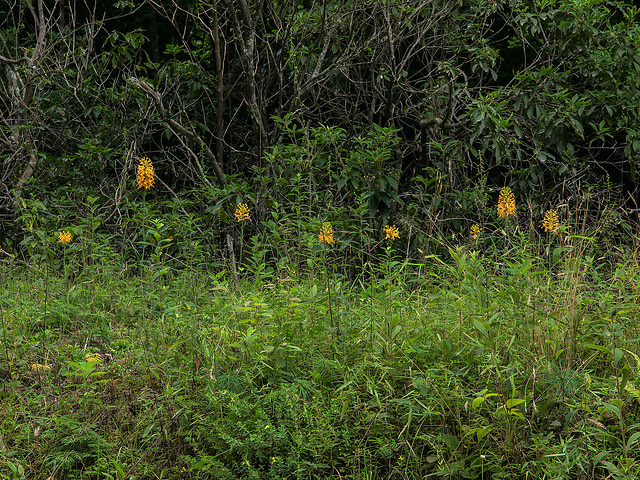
point(407, 112)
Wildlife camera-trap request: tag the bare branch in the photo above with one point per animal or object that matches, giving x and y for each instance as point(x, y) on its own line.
point(14, 62)
point(157, 101)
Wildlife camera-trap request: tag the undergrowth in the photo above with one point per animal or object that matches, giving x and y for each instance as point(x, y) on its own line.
point(511, 353)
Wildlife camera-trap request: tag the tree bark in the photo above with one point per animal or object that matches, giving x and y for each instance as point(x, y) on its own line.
point(21, 91)
point(247, 39)
point(220, 90)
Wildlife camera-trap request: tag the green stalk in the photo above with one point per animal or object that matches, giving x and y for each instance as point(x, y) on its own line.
point(328, 282)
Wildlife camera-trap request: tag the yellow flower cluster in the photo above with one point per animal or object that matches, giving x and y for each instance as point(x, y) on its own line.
point(38, 367)
point(391, 232)
point(551, 223)
point(326, 234)
point(242, 212)
point(506, 203)
point(507, 206)
point(93, 357)
point(145, 173)
point(64, 237)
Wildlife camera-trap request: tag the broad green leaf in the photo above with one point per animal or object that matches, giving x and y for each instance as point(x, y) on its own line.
point(514, 402)
point(451, 441)
point(481, 328)
point(483, 432)
point(633, 439)
point(611, 408)
point(477, 402)
point(617, 355)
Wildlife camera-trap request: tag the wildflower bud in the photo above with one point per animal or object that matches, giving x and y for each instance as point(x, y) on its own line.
point(391, 232)
point(145, 174)
point(326, 234)
point(506, 203)
point(242, 212)
point(551, 223)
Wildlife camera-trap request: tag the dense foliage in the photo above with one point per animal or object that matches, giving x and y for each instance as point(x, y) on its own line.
point(402, 106)
point(468, 365)
point(281, 239)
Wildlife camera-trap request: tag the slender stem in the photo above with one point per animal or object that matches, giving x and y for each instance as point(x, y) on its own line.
point(615, 374)
point(232, 255)
point(46, 298)
point(141, 273)
point(4, 333)
point(326, 270)
point(241, 244)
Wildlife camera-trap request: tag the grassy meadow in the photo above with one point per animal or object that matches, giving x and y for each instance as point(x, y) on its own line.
point(510, 351)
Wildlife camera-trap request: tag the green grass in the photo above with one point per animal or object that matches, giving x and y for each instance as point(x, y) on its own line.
point(466, 365)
